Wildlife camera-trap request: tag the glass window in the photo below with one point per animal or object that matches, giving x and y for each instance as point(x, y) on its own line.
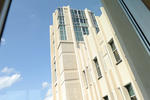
point(55, 72)
point(85, 30)
point(54, 47)
point(131, 91)
point(97, 29)
point(74, 13)
point(115, 52)
point(78, 33)
point(94, 22)
point(62, 32)
point(79, 36)
point(106, 98)
point(60, 11)
point(85, 78)
point(97, 68)
point(83, 14)
point(79, 21)
point(61, 20)
point(61, 27)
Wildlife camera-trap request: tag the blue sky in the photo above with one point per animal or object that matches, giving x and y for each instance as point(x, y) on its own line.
point(25, 49)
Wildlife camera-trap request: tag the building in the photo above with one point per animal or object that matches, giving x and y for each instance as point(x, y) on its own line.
point(4, 8)
point(87, 60)
point(131, 22)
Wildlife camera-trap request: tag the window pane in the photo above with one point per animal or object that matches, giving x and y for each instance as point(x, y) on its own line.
point(130, 90)
point(114, 50)
point(61, 19)
point(106, 98)
point(55, 72)
point(117, 57)
point(113, 47)
point(78, 33)
point(79, 21)
point(133, 98)
point(85, 30)
point(85, 79)
point(97, 29)
point(97, 68)
point(94, 22)
point(62, 32)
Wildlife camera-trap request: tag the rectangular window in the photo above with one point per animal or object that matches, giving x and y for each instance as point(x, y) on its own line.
point(115, 52)
point(62, 32)
point(106, 98)
point(97, 68)
point(131, 91)
point(85, 30)
point(80, 24)
point(60, 11)
point(61, 27)
point(97, 29)
point(54, 47)
point(61, 20)
point(55, 72)
point(85, 79)
point(78, 33)
point(94, 22)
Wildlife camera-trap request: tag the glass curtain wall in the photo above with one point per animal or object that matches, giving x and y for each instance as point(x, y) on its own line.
point(61, 27)
point(80, 24)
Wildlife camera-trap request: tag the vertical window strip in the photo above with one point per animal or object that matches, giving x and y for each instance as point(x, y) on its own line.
point(61, 27)
point(78, 33)
point(106, 98)
point(97, 68)
point(55, 71)
point(115, 51)
point(94, 22)
point(62, 32)
point(131, 91)
point(79, 21)
point(54, 47)
point(85, 79)
point(85, 30)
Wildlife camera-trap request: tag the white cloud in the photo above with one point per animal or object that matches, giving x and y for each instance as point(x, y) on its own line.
point(49, 95)
point(3, 41)
point(8, 81)
point(49, 98)
point(7, 70)
point(45, 85)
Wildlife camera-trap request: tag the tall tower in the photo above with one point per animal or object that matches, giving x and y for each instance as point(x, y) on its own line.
point(87, 61)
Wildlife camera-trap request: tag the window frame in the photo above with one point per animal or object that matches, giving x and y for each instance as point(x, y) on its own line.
point(115, 50)
point(131, 96)
point(98, 70)
point(63, 35)
point(55, 71)
point(106, 96)
point(94, 21)
point(85, 78)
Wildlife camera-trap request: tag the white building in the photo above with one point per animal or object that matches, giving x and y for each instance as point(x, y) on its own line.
point(87, 60)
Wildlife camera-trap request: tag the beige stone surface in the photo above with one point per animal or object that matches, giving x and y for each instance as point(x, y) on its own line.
point(75, 57)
